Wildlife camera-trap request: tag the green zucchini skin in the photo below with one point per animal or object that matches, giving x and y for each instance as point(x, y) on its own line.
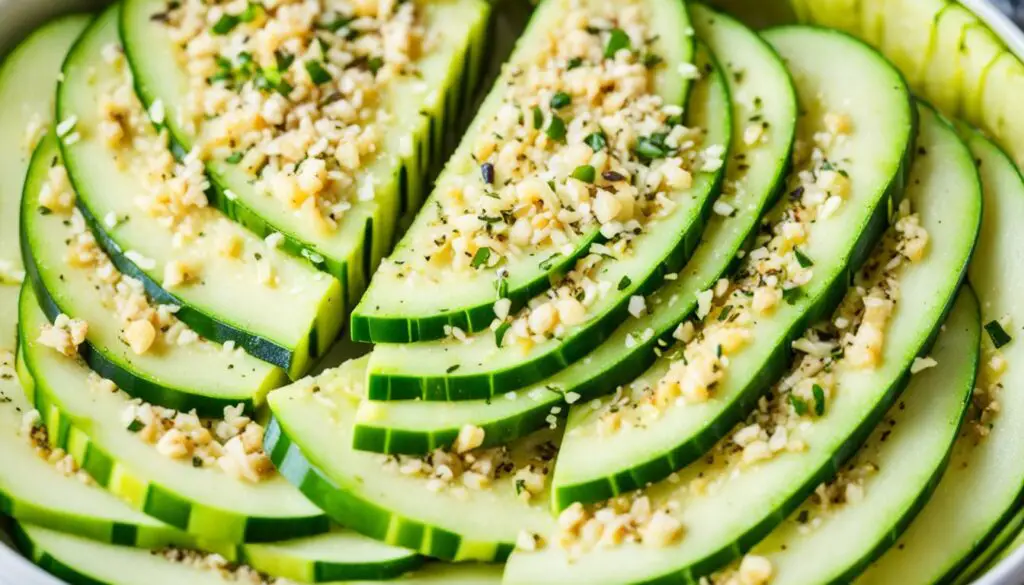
point(365, 516)
point(614, 364)
point(406, 184)
point(388, 382)
point(368, 324)
point(667, 460)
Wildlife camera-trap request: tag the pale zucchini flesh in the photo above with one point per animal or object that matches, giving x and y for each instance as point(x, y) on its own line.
point(595, 466)
point(752, 70)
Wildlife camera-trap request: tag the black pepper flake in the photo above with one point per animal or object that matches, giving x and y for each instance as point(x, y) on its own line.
point(487, 171)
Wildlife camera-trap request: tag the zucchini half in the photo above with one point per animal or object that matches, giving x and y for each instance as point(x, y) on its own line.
point(229, 301)
point(990, 471)
point(26, 90)
point(200, 375)
point(393, 311)
point(593, 466)
point(84, 562)
point(752, 70)
point(743, 504)
point(426, 111)
point(206, 503)
point(453, 370)
point(910, 448)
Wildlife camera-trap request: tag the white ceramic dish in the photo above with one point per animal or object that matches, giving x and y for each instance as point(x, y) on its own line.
point(20, 17)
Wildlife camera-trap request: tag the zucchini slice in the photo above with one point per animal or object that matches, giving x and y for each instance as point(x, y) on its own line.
point(26, 90)
point(761, 90)
point(368, 492)
point(199, 375)
point(205, 502)
point(990, 470)
point(745, 501)
point(85, 562)
point(478, 368)
point(595, 465)
point(227, 297)
point(422, 110)
point(398, 308)
point(1004, 543)
point(901, 463)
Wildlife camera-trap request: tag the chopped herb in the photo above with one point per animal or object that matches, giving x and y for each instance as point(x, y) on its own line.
point(652, 147)
point(481, 257)
point(799, 404)
point(596, 141)
point(624, 283)
point(317, 73)
point(283, 60)
point(44, 210)
point(502, 286)
point(251, 12)
point(234, 159)
point(549, 262)
point(556, 128)
point(617, 41)
point(997, 334)
point(135, 426)
point(803, 259)
point(520, 486)
point(560, 100)
point(819, 399)
point(725, 313)
point(337, 24)
point(790, 295)
point(226, 24)
point(574, 63)
point(538, 118)
point(585, 173)
point(452, 369)
point(651, 60)
point(374, 64)
point(487, 170)
point(499, 333)
point(197, 461)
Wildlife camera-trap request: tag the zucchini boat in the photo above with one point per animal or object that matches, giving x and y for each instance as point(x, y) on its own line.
point(26, 89)
point(841, 196)
point(481, 366)
point(451, 266)
point(87, 420)
point(988, 458)
point(881, 489)
point(166, 364)
point(458, 505)
point(149, 215)
point(750, 483)
point(413, 101)
point(84, 562)
point(761, 92)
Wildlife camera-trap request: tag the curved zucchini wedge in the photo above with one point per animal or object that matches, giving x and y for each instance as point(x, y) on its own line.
point(398, 310)
point(477, 368)
point(990, 470)
point(424, 109)
point(761, 89)
point(596, 466)
point(745, 502)
point(199, 375)
point(26, 90)
point(227, 300)
point(84, 562)
point(204, 502)
point(909, 449)
point(309, 440)
point(1004, 543)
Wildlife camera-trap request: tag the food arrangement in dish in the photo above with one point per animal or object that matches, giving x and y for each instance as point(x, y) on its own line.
point(307, 291)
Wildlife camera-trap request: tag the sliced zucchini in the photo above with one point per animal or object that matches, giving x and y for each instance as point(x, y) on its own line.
point(906, 452)
point(205, 502)
point(397, 309)
point(422, 110)
point(743, 502)
point(85, 562)
point(227, 300)
point(596, 465)
point(480, 368)
point(198, 375)
point(999, 548)
point(761, 89)
point(904, 41)
point(26, 90)
point(999, 105)
point(991, 470)
point(309, 440)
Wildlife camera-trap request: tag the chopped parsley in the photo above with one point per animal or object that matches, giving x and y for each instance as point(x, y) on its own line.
point(560, 100)
point(997, 334)
point(596, 141)
point(819, 399)
point(574, 63)
point(135, 426)
point(617, 41)
point(803, 259)
point(624, 283)
point(538, 118)
point(317, 73)
point(481, 257)
point(799, 404)
point(556, 128)
point(452, 369)
point(499, 333)
point(585, 173)
point(235, 158)
point(226, 24)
